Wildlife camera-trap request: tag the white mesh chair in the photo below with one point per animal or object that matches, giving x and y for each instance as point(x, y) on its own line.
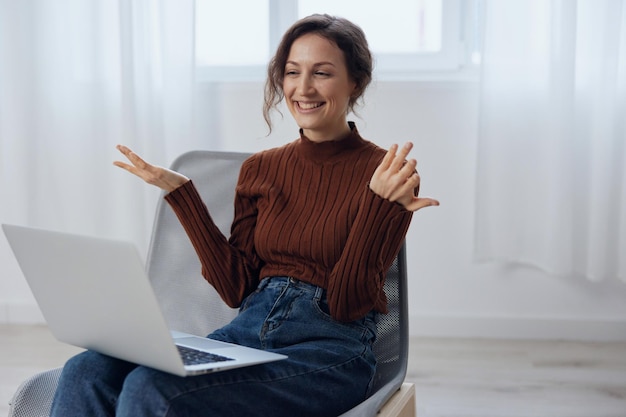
point(191, 305)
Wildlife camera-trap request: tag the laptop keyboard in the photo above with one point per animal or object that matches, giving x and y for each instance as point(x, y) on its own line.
point(197, 357)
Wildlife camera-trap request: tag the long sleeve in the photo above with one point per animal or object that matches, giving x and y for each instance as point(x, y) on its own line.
point(356, 282)
point(232, 267)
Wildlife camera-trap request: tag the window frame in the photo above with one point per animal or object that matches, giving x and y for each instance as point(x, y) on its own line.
point(451, 62)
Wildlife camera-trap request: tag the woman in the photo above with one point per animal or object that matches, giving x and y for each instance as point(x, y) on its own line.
point(317, 224)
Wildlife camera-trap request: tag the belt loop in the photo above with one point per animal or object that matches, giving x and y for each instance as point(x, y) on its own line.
point(319, 293)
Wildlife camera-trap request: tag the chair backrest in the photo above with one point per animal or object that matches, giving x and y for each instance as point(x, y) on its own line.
point(392, 346)
point(190, 304)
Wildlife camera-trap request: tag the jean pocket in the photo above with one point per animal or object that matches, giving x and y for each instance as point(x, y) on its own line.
point(321, 307)
point(354, 329)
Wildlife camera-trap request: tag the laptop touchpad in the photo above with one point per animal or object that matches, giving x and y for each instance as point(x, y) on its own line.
point(201, 343)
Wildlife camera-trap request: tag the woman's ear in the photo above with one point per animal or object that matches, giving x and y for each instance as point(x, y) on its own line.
point(356, 92)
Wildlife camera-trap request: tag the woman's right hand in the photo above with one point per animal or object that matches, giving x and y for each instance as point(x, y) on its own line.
point(163, 178)
point(397, 180)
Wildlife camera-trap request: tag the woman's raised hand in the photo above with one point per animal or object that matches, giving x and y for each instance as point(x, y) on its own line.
point(396, 179)
point(163, 178)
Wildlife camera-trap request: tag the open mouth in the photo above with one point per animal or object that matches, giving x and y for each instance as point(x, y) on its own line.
point(310, 105)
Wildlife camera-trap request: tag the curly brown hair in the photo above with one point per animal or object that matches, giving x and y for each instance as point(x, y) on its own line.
point(346, 35)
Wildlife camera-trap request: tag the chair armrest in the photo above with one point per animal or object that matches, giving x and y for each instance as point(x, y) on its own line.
point(34, 396)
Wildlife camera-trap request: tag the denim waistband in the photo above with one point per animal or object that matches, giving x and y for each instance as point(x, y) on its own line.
point(274, 282)
point(318, 293)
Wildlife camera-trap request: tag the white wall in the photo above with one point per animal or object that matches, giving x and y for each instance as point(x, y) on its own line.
point(450, 294)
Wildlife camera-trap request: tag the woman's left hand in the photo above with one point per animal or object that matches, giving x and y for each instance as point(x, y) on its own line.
point(163, 178)
point(396, 179)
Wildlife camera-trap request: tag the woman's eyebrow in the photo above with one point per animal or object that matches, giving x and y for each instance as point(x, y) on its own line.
point(317, 64)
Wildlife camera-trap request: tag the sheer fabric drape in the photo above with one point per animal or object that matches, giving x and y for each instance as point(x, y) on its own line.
point(551, 182)
point(76, 78)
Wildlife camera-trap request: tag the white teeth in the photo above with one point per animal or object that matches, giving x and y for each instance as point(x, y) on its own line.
point(308, 106)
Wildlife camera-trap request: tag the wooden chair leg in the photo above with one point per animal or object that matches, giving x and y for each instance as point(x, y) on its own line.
point(401, 404)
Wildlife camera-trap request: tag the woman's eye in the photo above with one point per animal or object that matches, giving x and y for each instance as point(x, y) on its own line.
point(322, 74)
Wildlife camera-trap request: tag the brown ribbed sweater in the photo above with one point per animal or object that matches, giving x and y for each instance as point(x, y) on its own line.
point(303, 210)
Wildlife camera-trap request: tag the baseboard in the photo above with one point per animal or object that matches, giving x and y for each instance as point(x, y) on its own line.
point(518, 328)
point(439, 326)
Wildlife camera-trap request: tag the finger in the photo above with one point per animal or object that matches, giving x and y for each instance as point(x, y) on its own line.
point(408, 169)
point(404, 151)
point(131, 168)
point(400, 157)
point(389, 157)
point(420, 203)
point(405, 190)
point(126, 152)
point(404, 183)
point(123, 149)
point(122, 165)
point(137, 161)
point(139, 167)
point(133, 157)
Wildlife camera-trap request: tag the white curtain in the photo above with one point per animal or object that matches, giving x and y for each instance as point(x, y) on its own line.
point(76, 78)
point(551, 180)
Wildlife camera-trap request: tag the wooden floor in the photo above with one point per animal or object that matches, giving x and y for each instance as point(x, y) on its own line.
point(491, 378)
point(453, 377)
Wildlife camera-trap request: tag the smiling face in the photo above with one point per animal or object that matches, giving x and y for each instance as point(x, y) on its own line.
point(318, 88)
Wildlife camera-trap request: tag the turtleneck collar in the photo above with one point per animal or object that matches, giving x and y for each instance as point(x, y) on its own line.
point(329, 150)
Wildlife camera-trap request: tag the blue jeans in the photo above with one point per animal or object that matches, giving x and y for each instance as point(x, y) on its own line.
point(329, 369)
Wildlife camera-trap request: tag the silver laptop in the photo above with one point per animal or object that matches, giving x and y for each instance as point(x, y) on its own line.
point(94, 293)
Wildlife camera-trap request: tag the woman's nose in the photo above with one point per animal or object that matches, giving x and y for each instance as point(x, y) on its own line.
point(305, 85)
